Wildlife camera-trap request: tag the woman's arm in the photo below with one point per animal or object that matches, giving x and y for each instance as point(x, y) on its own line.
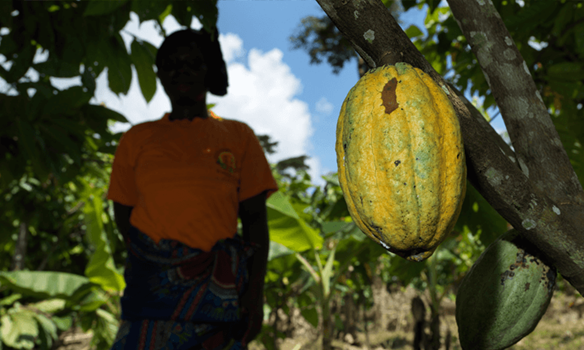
point(122, 217)
point(254, 222)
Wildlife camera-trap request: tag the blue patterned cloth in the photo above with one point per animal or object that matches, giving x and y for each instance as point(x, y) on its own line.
point(178, 297)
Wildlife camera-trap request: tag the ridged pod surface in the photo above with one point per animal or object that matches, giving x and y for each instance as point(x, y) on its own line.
point(401, 160)
point(504, 295)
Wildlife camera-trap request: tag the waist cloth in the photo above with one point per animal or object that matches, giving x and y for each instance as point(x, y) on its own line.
point(178, 297)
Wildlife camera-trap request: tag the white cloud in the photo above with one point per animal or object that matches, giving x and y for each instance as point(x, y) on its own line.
point(324, 107)
point(262, 94)
point(231, 46)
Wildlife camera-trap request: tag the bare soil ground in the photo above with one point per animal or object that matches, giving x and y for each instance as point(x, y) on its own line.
point(561, 328)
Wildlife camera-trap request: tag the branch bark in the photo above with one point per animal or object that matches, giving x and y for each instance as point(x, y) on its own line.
point(553, 224)
point(538, 147)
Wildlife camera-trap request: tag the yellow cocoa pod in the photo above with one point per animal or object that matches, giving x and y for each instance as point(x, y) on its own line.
point(401, 160)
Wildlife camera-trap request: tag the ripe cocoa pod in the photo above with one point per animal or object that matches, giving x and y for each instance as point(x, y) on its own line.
point(401, 160)
point(504, 294)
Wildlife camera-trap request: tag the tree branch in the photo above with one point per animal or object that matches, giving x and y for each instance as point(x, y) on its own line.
point(555, 227)
point(537, 144)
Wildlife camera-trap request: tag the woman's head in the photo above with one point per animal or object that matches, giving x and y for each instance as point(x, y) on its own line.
point(191, 52)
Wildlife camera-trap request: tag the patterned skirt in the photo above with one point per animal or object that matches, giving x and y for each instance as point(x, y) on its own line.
point(181, 298)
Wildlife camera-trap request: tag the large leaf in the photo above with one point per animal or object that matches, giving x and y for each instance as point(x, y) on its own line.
point(287, 228)
point(102, 7)
point(19, 329)
point(21, 64)
point(148, 9)
point(143, 62)
point(65, 101)
point(119, 66)
point(43, 284)
point(101, 268)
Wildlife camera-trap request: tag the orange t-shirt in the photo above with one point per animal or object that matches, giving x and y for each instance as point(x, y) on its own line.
point(185, 179)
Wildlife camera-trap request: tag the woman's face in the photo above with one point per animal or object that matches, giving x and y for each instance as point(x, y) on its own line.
point(182, 74)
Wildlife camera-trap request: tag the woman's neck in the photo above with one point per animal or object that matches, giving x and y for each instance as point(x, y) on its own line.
point(189, 111)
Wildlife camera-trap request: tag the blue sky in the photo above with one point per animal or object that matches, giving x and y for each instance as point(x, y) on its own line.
point(273, 88)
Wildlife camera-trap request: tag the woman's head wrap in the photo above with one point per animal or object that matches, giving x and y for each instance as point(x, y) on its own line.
point(216, 78)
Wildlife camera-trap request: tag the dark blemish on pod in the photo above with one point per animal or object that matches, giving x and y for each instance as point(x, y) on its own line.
point(512, 267)
point(397, 162)
point(527, 286)
point(458, 156)
point(388, 96)
point(511, 274)
point(405, 184)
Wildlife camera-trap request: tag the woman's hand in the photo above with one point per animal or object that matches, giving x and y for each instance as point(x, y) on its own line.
point(252, 307)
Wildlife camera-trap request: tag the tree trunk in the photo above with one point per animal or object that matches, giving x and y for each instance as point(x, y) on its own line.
point(327, 327)
point(554, 217)
point(435, 329)
point(419, 313)
point(365, 328)
point(350, 315)
point(380, 296)
point(20, 249)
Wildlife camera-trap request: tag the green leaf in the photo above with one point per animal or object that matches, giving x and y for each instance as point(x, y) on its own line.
point(47, 331)
point(163, 16)
point(50, 306)
point(485, 221)
point(310, 315)
point(529, 17)
point(119, 66)
point(93, 300)
point(579, 38)
point(567, 71)
point(562, 19)
point(43, 284)
point(287, 228)
point(103, 113)
point(334, 226)
point(413, 31)
point(21, 64)
point(206, 12)
point(102, 7)
point(63, 323)
point(19, 329)
point(9, 300)
point(405, 270)
point(27, 142)
point(66, 101)
point(101, 268)
point(277, 250)
point(327, 273)
point(143, 62)
point(148, 9)
point(62, 141)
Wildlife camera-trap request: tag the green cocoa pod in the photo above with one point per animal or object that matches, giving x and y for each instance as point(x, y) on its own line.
point(504, 294)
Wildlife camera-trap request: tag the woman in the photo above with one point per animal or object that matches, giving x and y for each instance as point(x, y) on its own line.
point(178, 185)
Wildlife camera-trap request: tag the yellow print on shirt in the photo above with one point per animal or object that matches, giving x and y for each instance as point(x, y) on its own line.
point(226, 161)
